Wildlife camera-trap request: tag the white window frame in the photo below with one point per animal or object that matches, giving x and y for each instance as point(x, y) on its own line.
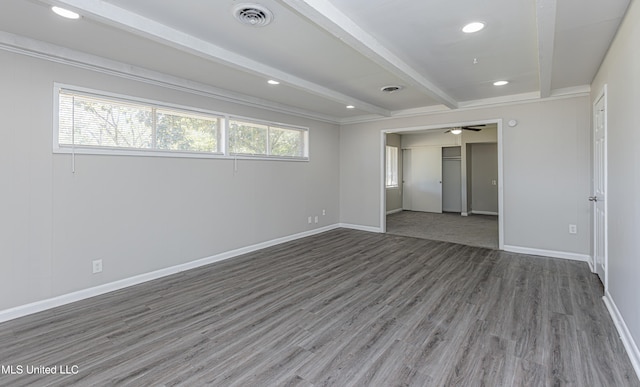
point(275, 125)
point(388, 166)
point(223, 131)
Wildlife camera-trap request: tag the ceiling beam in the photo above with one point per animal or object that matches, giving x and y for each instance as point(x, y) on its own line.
point(158, 32)
point(546, 23)
point(54, 53)
point(330, 18)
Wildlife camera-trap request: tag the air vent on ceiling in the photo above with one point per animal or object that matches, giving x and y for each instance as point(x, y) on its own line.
point(391, 89)
point(254, 15)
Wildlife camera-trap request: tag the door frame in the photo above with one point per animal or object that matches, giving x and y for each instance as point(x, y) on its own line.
point(383, 143)
point(602, 95)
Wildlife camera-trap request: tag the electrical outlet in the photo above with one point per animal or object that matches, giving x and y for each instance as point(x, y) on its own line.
point(573, 229)
point(316, 219)
point(324, 212)
point(97, 266)
point(309, 220)
point(493, 182)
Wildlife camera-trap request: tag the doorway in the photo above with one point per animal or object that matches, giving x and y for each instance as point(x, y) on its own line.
point(450, 172)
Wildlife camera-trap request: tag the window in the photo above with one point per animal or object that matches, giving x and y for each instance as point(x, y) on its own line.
point(391, 180)
point(247, 138)
point(186, 132)
point(250, 138)
point(92, 121)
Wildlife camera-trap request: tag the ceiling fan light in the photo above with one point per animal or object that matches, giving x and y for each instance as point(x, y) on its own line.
point(456, 130)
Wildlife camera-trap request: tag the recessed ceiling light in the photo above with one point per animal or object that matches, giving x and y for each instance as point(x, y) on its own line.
point(350, 107)
point(273, 82)
point(65, 13)
point(473, 27)
point(500, 83)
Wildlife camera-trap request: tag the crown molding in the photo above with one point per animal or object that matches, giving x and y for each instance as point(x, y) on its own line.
point(42, 50)
point(515, 99)
point(421, 111)
point(571, 91)
point(507, 99)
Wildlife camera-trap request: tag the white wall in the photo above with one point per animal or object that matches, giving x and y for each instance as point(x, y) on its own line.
point(546, 170)
point(619, 72)
point(137, 214)
point(430, 138)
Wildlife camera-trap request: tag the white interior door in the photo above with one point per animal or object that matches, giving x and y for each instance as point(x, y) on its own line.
point(451, 186)
point(599, 189)
point(422, 189)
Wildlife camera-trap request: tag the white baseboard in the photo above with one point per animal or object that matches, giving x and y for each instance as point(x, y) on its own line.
point(361, 228)
point(627, 340)
point(464, 214)
point(394, 211)
point(547, 253)
point(39, 306)
point(484, 212)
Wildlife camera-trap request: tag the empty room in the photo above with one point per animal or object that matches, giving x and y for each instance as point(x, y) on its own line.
point(203, 193)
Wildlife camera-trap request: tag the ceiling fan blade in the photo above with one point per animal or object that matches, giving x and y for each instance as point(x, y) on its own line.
point(448, 130)
point(471, 128)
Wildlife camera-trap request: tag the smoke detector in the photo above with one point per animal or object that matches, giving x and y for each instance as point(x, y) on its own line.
point(391, 88)
point(254, 15)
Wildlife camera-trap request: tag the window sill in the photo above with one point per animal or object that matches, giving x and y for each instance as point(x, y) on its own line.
point(78, 150)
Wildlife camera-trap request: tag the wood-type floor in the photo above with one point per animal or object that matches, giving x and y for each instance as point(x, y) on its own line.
point(473, 230)
point(342, 308)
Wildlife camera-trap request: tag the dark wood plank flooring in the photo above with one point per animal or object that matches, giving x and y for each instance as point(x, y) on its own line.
point(343, 308)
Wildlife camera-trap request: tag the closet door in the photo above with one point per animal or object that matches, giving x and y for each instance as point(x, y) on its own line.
point(451, 185)
point(422, 169)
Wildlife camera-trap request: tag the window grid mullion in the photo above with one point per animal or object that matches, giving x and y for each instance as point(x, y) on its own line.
point(268, 140)
point(154, 128)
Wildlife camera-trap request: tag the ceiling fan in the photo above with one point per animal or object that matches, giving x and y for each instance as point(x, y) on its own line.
point(459, 129)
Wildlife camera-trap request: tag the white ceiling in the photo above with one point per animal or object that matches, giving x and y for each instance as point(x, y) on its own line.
point(331, 53)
